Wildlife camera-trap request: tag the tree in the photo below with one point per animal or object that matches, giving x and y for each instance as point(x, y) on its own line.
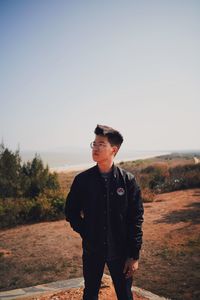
point(28, 180)
point(35, 178)
point(10, 167)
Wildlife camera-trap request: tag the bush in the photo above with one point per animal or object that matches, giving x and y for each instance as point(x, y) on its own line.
point(28, 192)
point(40, 210)
point(158, 178)
point(22, 211)
point(58, 205)
point(183, 177)
point(154, 176)
point(147, 195)
point(14, 211)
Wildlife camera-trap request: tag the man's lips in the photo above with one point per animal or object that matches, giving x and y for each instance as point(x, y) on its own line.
point(95, 153)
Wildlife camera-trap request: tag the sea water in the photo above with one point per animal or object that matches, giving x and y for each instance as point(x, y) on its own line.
point(81, 159)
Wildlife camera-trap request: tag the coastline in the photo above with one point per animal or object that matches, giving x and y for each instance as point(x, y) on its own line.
point(84, 166)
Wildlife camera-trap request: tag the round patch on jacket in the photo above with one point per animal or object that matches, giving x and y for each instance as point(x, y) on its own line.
point(120, 191)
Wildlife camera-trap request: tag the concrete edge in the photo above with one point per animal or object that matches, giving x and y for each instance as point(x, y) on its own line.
point(30, 292)
point(53, 287)
point(147, 294)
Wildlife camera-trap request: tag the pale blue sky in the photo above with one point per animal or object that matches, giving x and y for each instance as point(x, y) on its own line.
point(67, 65)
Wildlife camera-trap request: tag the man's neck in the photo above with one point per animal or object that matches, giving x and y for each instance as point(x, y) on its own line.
point(105, 167)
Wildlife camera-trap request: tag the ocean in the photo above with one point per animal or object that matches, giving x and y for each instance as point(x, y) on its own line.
point(81, 159)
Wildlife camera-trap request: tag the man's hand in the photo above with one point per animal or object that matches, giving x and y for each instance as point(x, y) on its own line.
point(130, 267)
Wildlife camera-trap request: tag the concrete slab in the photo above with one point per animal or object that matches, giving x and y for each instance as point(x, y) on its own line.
point(35, 291)
point(12, 293)
point(148, 294)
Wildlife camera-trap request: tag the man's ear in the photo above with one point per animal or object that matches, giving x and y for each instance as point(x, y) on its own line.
point(115, 150)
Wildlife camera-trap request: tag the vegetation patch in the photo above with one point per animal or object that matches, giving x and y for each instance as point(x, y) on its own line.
point(28, 191)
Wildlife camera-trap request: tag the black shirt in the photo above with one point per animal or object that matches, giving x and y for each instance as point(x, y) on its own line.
point(110, 251)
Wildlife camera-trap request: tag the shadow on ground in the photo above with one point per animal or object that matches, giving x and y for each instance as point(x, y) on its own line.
point(190, 214)
point(196, 194)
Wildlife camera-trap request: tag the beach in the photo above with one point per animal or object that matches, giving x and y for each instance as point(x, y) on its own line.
point(120, 157)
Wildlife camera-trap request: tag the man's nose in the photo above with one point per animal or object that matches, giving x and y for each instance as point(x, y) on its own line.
point(96, 147)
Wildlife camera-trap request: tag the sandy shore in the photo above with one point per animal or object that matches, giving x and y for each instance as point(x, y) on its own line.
point(84, 166)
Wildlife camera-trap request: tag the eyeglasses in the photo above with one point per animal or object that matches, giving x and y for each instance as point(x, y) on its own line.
point(100, 146)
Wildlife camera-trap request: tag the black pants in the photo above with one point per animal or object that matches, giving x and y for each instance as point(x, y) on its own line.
point(93, 268)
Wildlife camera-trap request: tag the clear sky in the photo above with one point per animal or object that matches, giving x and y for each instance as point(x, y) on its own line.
point(67, 65)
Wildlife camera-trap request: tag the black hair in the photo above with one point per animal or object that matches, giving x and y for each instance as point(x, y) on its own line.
point(114, 137)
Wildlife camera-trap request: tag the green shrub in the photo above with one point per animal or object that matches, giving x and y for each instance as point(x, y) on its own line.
point(12, 212)
point(22, 211)
point(58, 205)
point(40, 210)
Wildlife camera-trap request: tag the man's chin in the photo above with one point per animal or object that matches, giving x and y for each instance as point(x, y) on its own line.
point(95, 159)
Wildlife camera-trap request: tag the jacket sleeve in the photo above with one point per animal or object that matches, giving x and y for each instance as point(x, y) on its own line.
point(134, 219)
point(73, 207)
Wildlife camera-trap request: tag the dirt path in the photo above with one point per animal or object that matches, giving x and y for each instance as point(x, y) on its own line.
point(169, 265)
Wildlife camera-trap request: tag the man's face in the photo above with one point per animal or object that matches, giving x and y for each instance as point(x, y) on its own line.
point(102, 150)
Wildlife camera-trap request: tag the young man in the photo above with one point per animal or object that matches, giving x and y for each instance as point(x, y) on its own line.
point(104, 206)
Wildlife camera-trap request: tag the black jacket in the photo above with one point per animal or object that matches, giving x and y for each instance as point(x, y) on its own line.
point(85, 209)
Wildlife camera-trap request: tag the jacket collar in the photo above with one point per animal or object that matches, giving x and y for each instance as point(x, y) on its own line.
point(114, 170)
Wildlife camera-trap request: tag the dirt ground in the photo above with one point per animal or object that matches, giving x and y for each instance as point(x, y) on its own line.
point(169, 265)
point(76, 294)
